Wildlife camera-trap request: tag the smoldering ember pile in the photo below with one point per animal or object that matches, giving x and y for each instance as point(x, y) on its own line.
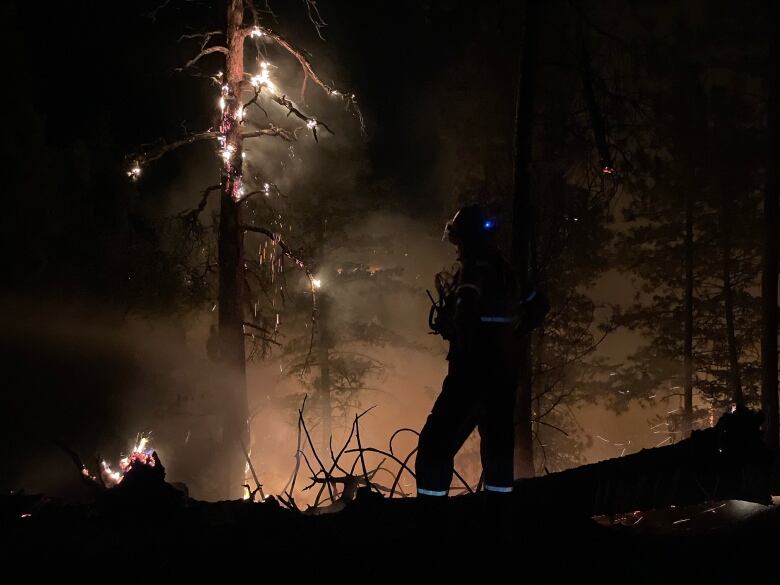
point(418, 291)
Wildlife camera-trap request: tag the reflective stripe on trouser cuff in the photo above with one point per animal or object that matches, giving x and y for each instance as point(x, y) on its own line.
point(431, 492)
point(497, 488)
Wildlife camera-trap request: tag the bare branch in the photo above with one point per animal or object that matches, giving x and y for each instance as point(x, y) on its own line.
point(204, 198)
point(154, 152)
point(258, 485)
point(315, 17)
point(204, 35)
point(203, 53)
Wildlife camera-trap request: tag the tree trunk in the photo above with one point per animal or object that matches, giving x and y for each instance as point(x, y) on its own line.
point(688, 333)
point(735, 379)
point(524, 460)
point(323, 359)
point(235, 410)
point(769, 398)
point(323, 339)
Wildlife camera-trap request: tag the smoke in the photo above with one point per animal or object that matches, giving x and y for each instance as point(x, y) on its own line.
point(90, 377)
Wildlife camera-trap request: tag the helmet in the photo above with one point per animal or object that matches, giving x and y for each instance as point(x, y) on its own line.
point(469, 225)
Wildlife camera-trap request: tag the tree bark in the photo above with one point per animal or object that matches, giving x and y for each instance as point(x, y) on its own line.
point(235, 409)
point(323, 359)
point(688, 332)
point(769, 398)
point(735, 378)
point(524, 460)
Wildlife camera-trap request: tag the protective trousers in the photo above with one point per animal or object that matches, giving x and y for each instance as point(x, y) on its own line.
point(479, 394)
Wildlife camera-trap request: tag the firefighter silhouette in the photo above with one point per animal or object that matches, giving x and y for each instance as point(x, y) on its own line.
point(481, 315)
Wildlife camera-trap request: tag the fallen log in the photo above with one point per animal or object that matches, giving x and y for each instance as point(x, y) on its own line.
point(726, 462)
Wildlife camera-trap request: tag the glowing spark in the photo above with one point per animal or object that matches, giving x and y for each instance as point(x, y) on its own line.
point(256, 32)
point(316, 283)
point(263, 79)
point(267, 189)
point(311, 124)
point(135, 172)
point(222, 103)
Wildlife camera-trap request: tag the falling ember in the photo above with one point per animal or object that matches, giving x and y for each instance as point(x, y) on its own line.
point(607, 170)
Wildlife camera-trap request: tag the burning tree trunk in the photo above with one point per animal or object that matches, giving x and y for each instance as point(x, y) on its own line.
point(521, 232)
point(769, 397)
point(235, 414)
